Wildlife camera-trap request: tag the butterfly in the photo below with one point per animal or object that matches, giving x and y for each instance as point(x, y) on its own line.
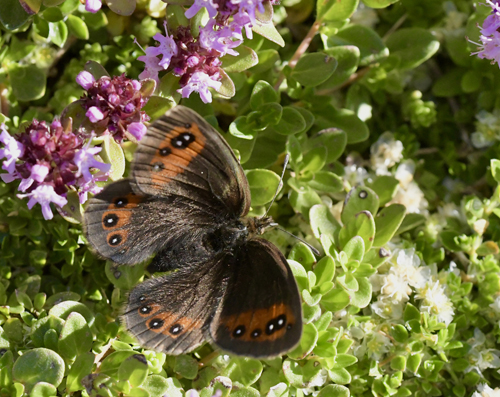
point(186, 201)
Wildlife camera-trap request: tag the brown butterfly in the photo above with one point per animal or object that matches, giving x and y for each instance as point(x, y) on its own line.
point(185, 202)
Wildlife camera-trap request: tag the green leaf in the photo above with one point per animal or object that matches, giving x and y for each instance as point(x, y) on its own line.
point(334, 391)
point(371, 47)
point(362, 225)
point(324, 270)
point(28, 82)
point(340, 376)
point(262, 93)
point(263, 185)
point(245, 59)
point(302, 254)
point(387, 222)
point(307, 342)
point(38, 365)
point(333, 139)
point(31, 6)
point(43, 389)
point(347, 57)
point(302, 375)
point(12, 14)
point(267, 59)
point(385, 187)
point(300, 274)
point(303, 199)
point(363, 296)
point(80, 368)
point(333, 10)
point(157, 106)
point(328, 182)
point(354, 248)
point(411, 221)
point(335, 300)
point(77, 27)
point(313, 161)
point(322, 221)
point(359, 199)
point(52, 14)
point(112, 153)
point(124, 277)
point(268, 31)
point(186, 366)
point(75, 338)
point(133, 369)
point(155, 385)
point(111, 364)
point(227, 89)
point(313, 69)
point(292, 122)
point(64, 309)
point(412, 46)
point(346, 120)
point(122, 7)
point(243, 370)
point(495, 169)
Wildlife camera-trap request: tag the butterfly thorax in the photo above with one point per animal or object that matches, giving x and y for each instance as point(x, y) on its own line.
point(257, 226)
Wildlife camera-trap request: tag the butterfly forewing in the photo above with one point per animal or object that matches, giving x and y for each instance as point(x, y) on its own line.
point(182, 154)
point(260, 313)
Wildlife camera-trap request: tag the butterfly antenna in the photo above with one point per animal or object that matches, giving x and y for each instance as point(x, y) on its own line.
point(314, 250)
point(285, 163)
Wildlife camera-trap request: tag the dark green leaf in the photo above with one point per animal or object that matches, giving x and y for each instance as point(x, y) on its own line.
point(28, 82)
point(313, 69)
point(413, 46)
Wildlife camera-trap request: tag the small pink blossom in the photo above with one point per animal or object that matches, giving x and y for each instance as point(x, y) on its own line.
point(93, 5)
point(138, 130)
point(200, 82)
point(84, 160)
point(94, 114)
point(44, 195)
point(85, 79)
point(12, 151)
point(38, 173)
point(198, 5)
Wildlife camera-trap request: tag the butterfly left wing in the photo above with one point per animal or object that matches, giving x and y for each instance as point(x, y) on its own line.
point(260, 314)
point(172, 313)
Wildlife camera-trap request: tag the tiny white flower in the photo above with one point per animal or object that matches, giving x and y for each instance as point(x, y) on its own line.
point(385, 153)
point(436, 302)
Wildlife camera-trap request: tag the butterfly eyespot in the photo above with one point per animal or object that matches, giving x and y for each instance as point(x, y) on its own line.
point(363, 194)
point(156, 323)
point(270, 327)
point(280, 321)
point(145, 309)
point(110, 220)
point(142, 298)
point(115, 239)
point(256, 333)
point(121, 202)
point(158, 166)
point(165, 151)
point(239, 331)
point(183, 140)
point(176, 329)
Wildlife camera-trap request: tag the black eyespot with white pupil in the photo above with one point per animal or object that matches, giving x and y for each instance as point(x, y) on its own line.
point(110, 220)
point(183, 140)
point(175, 329)
point(156, 323)
point(158, 166)
point(256, 333)
point(145, 309)
point(115, 239)
point(280, 321)
point(165, 151)
point(276, 324)
point(121, 202)
point(239, 331)
point(363, 194)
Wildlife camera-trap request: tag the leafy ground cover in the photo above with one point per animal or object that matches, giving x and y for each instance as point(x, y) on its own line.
point(392, 128)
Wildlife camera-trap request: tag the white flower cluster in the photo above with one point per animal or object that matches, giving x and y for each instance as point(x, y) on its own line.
point(480, 356)
point(487, 129)
point(405, 277)
point(385, 153)
point(483, 390)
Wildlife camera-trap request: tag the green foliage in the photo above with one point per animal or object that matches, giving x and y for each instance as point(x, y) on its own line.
point(392, 133)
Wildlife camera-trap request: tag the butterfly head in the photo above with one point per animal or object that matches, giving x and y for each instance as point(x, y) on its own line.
point(257, 226)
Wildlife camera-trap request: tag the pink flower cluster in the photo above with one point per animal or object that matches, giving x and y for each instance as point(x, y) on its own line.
point(489, 48)
point(197, 60)
point(114, 105)
point(49, 161)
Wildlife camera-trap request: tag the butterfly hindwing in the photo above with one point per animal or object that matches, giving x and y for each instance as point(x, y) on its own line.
point(181, 154)
point(172, 313)
point(260, 313)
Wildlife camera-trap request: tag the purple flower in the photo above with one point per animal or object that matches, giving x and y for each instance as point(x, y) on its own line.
point(85, 79)
point(84, 160)
point(44, 195)
point(198, 5)
point(12, 151)
point(489, 48)
point(112, 104)
point(200, 82)
point(138, 130)
point(93, 5)
point(220, 40)
point(38, 173)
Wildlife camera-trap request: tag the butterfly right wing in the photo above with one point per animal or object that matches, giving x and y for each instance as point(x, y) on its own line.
point(172, 313)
